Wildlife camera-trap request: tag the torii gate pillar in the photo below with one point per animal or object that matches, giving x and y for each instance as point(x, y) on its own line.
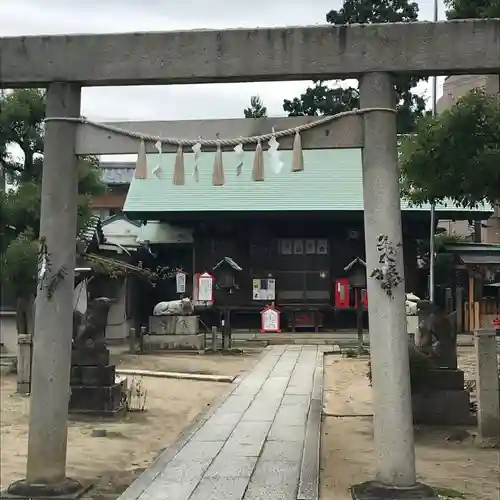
point(48, 426)
point(392, 415)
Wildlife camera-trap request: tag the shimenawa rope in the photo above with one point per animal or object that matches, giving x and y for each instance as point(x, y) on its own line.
point(196, 144)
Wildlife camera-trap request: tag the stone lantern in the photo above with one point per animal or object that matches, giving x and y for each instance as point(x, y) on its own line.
point(226, 272)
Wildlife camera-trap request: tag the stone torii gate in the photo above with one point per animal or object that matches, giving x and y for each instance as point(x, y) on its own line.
point(63, 64)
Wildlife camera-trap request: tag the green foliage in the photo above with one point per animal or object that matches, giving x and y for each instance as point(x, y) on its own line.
point(256, 109)
point(455, 155)
point(471, 9)
point(420, 366)
point(106, 267)
point(18, 265)
point(368, 11)
point(444, 239)
point(350, 353)
point(323, 99)
point(21, 125)
point(329, 99)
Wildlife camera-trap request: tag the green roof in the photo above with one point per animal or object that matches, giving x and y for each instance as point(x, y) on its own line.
point(331, 181)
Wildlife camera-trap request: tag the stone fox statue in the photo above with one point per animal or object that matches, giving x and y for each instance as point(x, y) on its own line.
point(89, 329)
point(438, 336)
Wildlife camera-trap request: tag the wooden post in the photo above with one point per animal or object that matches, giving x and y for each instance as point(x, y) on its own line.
point(477, 316)
point(132, 340)
point(460, 309)
point(226, 329)
point(359, 319)
point(448, 297)
point(471, 302)
point(214, 339)
point(24, 364)
point(141, 339)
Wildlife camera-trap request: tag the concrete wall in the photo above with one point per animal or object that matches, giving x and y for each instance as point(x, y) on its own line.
point(457, 86)
point(118, 325)
point(8, 331)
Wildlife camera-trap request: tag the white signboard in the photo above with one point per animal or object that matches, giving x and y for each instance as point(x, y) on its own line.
point(264, 289)
point(205, 287)
point(270, 320)
point(180, 282)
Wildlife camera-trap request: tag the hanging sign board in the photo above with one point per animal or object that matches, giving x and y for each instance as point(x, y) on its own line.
point(264, 289)
point(270, 320)
point(205, 287)
point(180, 281)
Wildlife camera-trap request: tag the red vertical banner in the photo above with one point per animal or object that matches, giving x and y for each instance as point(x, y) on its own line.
point(364, 298)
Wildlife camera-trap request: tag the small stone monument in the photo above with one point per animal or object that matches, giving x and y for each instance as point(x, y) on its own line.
point(443, 399)
point(94, 390)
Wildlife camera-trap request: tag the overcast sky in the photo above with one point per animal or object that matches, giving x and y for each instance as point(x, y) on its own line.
point(36, 17)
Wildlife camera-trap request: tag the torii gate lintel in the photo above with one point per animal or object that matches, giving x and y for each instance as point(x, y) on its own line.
point(371, 53)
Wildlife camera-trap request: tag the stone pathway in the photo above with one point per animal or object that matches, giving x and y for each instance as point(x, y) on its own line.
point(261, 441)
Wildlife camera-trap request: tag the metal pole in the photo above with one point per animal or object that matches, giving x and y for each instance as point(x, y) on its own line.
point(432, 245)
point(359, 320)
point(432, 251)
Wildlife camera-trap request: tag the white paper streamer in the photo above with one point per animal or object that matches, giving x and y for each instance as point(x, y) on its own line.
point(238, 149)
point(158, 171)
point(197, 152)
point(43, 268)
point(276, 163)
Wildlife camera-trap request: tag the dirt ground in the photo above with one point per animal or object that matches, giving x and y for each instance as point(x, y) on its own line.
point(456, 469)
point(112, 462)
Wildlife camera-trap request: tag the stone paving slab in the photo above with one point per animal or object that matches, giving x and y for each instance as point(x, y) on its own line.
point(254, 445)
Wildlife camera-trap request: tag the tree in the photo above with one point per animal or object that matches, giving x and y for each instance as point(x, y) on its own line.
point(256, 109)
point(471, 9)
point(21, 125)
point(455, 155)
point(325, 99)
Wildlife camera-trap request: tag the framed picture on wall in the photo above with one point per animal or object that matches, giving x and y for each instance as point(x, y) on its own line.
point(298, 247)
point(285, 247)
point(322, 247)
point(310, 247)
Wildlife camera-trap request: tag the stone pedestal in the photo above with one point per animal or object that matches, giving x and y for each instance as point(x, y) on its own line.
point(94, 390)
point(174, 342)
point(174, 325)
point(373, 490)
point(444, 401)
